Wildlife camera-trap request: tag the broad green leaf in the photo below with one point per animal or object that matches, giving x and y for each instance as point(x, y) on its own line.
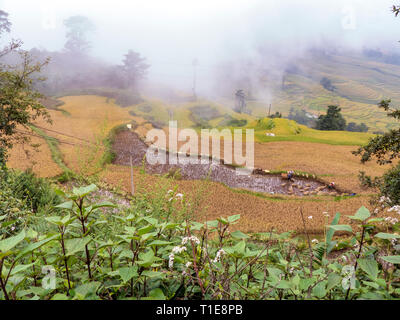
point(157, 294)
point(239, 235)
point(392, 259)
point(60, 296)
point(145, 230)
point(127, 273)
point(105, 204)
point(9, 243)
point(274, 272)
point(305, 283)
point(375, 220)
point(197, 226)
point(60, 193)
point(66, 205)
point(152, 274)
point(35, 245)
point(73, 246)
point(362, 214)
point(330, 232)
point(370, 267)
point(372, 284)
point(341, 227)
point(86, 289)
point(234, 218)
point(21, 267)
point(283, 284)
point(54, 220)
point(387, 236)
point(212, 224)
point(240, 248)
point(159, 243)
point(333, 280)
point(319, 290)
point(84, 191)
point(151, 221)
point(223, 220)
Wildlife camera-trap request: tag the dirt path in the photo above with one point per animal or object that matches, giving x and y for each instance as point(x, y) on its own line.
point(128, 144)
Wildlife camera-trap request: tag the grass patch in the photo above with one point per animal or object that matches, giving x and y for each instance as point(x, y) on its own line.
point(56, 154)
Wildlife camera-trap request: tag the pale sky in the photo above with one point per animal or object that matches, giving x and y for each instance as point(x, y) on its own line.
point(171, 33)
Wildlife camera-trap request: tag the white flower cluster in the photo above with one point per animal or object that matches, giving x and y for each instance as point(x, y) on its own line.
point(395, 209)
point(175, 250)
point(219, 254)
point(314, 241)
point(392, 220)
point(384, 199)
point(171, 261)
point(187, 265)
point(178, 196)
point(178, 249)
point(191, 239)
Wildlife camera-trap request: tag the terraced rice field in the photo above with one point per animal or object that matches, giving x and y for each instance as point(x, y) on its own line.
point(259, 212)
point(90, 118)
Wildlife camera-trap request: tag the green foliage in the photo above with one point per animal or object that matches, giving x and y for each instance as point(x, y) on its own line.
point(276, 115)
point(19, 102)
point(153, 251)
point(389, 185)
point(353, 127)
point(385, 149)
point(236, 123)
point(333, 120)
point(35, 193)
point(265, 124)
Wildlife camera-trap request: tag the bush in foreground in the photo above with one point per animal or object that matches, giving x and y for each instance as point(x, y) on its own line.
point(151, 250)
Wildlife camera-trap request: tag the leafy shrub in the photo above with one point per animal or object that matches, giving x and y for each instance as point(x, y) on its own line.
point(391, 185)
point(265, 124)
point(153, 251)
point(35, 192)
point(237, 123)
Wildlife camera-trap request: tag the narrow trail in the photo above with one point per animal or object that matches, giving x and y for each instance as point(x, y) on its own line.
point(128, 144)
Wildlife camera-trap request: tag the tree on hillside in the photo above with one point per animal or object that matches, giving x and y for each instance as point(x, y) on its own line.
point(5, 24)
point(134, 68)
point(333, 120)
point(353, 127)
point(78, 28)
point(19, 102)
point(384, 149)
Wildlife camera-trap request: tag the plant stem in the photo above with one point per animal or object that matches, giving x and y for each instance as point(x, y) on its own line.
point(358, 256)
point(2, 284)
point(65, 262)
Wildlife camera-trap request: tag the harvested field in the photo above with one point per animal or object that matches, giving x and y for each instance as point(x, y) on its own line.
point(23, 157)
point(90, 119)
point(331, 163)
point(258, 214)
point(129, 146)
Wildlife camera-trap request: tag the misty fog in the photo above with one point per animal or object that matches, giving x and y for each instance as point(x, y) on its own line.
point(232, 41)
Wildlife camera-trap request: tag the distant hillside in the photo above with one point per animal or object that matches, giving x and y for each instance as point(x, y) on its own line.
point(356, 83)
